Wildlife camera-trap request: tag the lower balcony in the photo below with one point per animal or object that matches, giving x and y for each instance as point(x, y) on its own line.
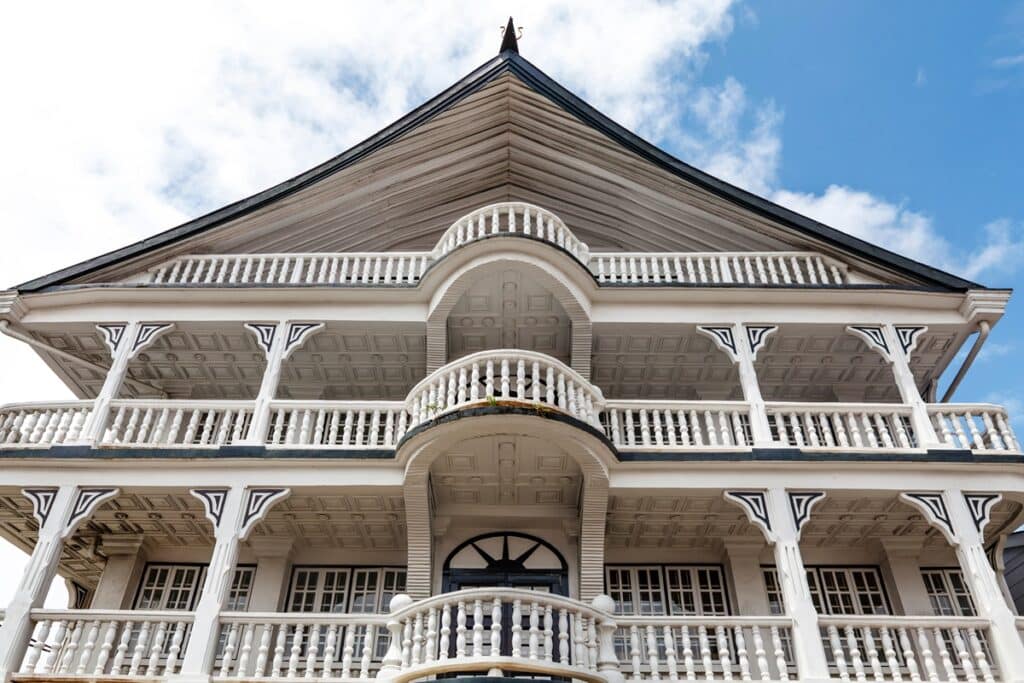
point(500, 632)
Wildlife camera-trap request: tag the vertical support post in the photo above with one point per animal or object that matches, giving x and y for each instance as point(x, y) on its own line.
point(796, 593)
point(120, 339)
point(968, 515)
point(125, 560)
point(901, 560)
point(270, 338)
point(59, 511)
point(744, 567)
point(741, 343)
point(233, 511)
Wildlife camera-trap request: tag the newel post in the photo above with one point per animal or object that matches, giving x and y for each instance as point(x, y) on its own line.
point(392, 662)
point(607, 660)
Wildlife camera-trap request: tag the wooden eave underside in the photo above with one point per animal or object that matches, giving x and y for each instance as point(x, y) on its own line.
point(505, 141)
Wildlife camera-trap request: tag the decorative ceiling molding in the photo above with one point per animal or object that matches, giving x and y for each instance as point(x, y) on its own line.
point(755, 504)
point(42, 502)
point(874, 337)
point(113, 334)
point(980, 505)
point(723, 338)
point(933, 506)
point(213, 503)
point(757, 337)
point(264, 334)
point(800, 504)
point(257, 503)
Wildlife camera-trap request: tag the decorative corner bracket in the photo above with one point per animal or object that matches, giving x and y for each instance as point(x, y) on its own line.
point(980, 505)
point(264, 335)
point(257, 503)
point(147, 334)
point(874, 337)
point(723, 337)
point(213, 503)
point(297, 335)
point(908, 336)
point(757, 337)
point(933, 506)
point(755, 504)
point(800, 504)
point(42, 502)
point(86, 502)
point(113, 335)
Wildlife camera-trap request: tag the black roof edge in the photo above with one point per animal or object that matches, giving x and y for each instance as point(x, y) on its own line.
point(549, 88)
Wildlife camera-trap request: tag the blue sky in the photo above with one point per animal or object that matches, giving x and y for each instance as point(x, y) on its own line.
point(899, 122)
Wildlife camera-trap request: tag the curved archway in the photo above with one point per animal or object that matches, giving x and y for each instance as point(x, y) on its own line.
point(539, 273)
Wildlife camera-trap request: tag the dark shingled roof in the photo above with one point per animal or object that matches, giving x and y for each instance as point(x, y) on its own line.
point(510, 61)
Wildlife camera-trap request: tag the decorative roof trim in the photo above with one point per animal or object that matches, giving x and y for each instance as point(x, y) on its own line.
point(511, 62)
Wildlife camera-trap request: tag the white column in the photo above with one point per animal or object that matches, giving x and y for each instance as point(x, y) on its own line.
point(233, 511)
point(746, 353)
point(273, 346)
point(120, 353)
point(59, 511)
point(796, 594)
point(272, 561)
point(900, 356)
point(744, 564)
point(967, 527)
point(901, 559)
point(121, 572)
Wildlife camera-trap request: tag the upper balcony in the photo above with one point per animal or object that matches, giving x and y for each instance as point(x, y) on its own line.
point(506, 219)
point(509, 380)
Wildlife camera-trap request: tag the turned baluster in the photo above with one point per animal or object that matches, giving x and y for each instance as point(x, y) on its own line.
point(739, 434)
point(263, 652)
point(573, 404)
point(979, 655)
point(460, 630)
point(364, 662)
point(88, 646)
point(723, 653)
point(701, 270)
point(312, 650)
point(279, 645)
point(416, 655)
point(855, 431)
point(360, 428)
point(704, 645)
point(688, 665)
point(780, 654)
point(579, 640)
point(652, 653)
point(1004, 432)
point(549, 643)
point(109, 636)
point(431, 641)
point(855, 660)
point(489, 379)
point(347, 650)
point(534, 642)
point(709, 425)
point(634, 652)
point(797, 429)
point(122, 648)
point(671, 663)
point(872, 653)
point(723, 428)
point(979, 443)
point(947, 661)
point(925, 648)
point(908, 655)
point(517, 628)
point(140, 649)
point(630, 431)
point(36, 644)
point(741, 653)
point(891, 659)
point(66, 662)
point(521, 380)
point(296, 652)
point(495, 628)
point(645, 429)
point(811, 431)
point(478, 628)
point(869, 430)
point(760, 655)
point(229, 651)
point(563, 637)
point(966, 663)
point(592, 644)
point(837, 653)
point(407, 643)
point(505, 378)
point(446, 631)
point(902, 438)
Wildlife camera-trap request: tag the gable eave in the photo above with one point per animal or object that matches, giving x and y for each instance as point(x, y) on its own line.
point(547, 87)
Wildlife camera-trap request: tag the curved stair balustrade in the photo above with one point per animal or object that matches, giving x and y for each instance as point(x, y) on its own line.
point(511, 219)
point(505, 376)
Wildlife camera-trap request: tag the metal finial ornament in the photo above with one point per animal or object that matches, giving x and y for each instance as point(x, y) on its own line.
point(510, 37)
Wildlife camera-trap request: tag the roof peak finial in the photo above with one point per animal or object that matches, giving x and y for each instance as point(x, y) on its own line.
point(509, 42)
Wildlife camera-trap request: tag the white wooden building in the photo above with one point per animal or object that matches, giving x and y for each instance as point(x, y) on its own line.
point(505, 389)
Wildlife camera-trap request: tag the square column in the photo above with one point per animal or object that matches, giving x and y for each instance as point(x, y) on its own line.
point(125, 559)
point(743, 562)
point(901, 560)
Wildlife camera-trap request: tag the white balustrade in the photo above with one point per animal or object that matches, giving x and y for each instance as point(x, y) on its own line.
point(764, 269)
point(177, 424)
point(675, 425)
point(977, 427)
point(44, 424)
point(350, 268)
point(491, 377)
point(337, 424)
point(101, 643)
point(908, 648)
point(511, 218)
point(855, 426)
point(301, 645)
point(709, 648)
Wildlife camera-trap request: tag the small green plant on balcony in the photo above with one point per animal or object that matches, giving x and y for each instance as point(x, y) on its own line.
point(491, 401)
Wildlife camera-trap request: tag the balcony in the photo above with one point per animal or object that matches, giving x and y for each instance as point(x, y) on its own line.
point(501, 631)
point(506, 379)
point(507, 219)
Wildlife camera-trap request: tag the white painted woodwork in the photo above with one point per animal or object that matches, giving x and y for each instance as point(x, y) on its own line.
point(837, 426)
point(176, 423)
point(677, 425)
point(337, 424)
point(44, 425)
point(511, 219)
point(760, 269)
point(976, 426)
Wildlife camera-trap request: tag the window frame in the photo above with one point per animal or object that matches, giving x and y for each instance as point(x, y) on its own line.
point(953, 596)
point(350, 571)
point(197, 589)
point(815, 581)
point(662, 571)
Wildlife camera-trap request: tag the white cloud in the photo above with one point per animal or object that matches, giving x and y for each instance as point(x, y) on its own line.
point(921, 79)
point(1008, 62)
point(998, 249)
